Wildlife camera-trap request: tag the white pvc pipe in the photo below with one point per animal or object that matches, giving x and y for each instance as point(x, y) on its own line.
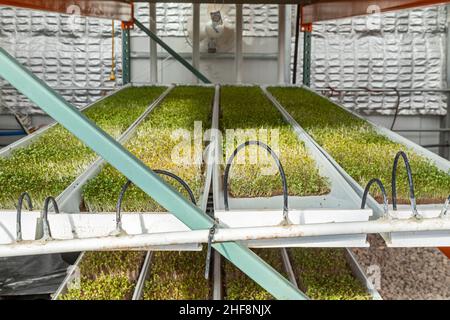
point(281, 43)
point(196, 37)
point(239, 57)
point(223, 235)
point(153, 46)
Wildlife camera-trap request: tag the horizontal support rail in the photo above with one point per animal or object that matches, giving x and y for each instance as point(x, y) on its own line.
point(223, 235)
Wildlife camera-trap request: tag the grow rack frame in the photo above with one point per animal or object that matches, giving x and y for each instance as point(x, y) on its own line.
point(41, 94)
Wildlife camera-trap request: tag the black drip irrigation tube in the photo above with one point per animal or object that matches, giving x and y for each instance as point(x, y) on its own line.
point(370, 90)
point(280, 169)
point(22, 197)
point(397, 105)
point(383, 191)
point(47, 234)
point(129, 182)
point(412, 196)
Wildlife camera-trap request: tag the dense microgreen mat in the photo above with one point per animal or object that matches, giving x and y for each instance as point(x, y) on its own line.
point(323, 274)
point(247, 108)
point(238, 286)
point(153, 144)
point(48, 166)
point(361, 151)
point(177, 276)
point(107, 276)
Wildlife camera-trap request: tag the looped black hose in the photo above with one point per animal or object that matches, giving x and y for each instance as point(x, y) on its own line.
point(19, 213)
point(278, 163)
point(128, 183)
point(412, 197)
point(383, 191)
point(45, 224)
point(445, 208)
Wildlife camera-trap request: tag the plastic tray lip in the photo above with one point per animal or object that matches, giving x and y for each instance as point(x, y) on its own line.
point(27, 140)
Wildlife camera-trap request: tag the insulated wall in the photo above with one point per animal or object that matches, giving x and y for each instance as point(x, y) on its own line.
point(404, 49)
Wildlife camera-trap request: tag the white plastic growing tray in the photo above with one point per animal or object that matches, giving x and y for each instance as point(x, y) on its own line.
point(395, 239)
point(342, 204)
point(137, 223)
point(71, 198)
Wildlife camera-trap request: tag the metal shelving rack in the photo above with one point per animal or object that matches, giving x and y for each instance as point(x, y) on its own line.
point(190, 225)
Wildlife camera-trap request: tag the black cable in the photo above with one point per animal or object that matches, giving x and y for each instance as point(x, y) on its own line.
point(278, 163)
point(410, 182)
point(383, 191)
point(19, 213)
point(397, 108)
point(161, 172)
point(45, 224)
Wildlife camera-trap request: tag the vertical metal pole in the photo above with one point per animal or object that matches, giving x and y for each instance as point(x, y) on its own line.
point(307, 58)
point(153, 47)
point(144, 178)
point(444, 137)
point(126, 64)
point(217, 285)
point(288, 44)
point(239, 57)
point(281, 42)
point(297, 36)
point(196, 37)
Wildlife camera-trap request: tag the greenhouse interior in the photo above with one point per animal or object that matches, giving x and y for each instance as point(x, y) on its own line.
point(224, 150)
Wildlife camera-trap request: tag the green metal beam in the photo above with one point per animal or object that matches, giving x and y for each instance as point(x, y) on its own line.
point(172, 52)
point(126, 63)
point(307, 58)
point(120, 158)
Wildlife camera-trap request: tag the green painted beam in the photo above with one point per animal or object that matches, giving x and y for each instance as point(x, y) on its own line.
point(126, 63)
point(307, 46)
point(172, 52)
point(120, 158)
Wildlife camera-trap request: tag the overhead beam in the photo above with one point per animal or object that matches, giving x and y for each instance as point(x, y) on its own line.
point(110, 9)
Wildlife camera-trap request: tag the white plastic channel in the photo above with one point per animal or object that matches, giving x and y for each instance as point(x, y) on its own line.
point(340, 205)
point(26, 141)
point(209, 157)
point(405, 239)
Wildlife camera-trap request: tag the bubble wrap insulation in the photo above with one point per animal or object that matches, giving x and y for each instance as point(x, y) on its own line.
point(67, 52)
point(404, 49)
point(395, 50)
